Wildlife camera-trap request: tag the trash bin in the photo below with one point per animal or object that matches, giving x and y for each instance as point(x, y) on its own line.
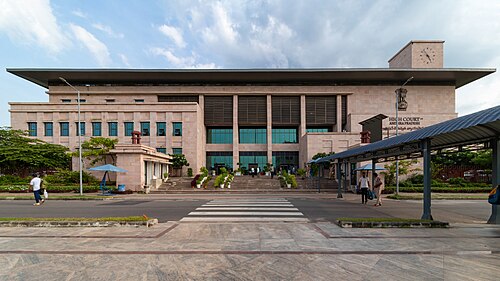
point(121, 187)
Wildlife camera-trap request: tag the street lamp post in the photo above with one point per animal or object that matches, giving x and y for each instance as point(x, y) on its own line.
point(398, 95)
point(79, 134)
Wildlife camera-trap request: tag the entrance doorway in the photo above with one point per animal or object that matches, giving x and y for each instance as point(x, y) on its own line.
point(218, 166)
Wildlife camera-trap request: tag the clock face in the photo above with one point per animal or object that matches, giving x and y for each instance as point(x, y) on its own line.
point(427, 55)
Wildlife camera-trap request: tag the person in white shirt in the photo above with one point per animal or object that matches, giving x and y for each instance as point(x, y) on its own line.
point(35, 184)
point(364, 184)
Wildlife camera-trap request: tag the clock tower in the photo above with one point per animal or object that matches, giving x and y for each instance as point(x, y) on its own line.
point(419, 54)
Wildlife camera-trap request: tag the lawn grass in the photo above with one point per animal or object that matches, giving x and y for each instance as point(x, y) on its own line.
point(103, 219)
point(446, 196)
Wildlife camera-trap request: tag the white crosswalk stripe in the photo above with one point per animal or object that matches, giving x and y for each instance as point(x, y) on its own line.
point(246, 210)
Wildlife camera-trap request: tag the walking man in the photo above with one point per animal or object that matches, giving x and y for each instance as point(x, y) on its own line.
point(364, 184)
point(378, 186)
point(35, 185)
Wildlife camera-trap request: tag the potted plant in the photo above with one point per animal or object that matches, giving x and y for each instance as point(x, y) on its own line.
point(199, 181)
point(228, 180)
point(165, 176)
point(302, 173)
point(293, 181)
point(219, 181)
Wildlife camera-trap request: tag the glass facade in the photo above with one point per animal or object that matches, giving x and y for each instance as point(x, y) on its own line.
point(49, 129)
point(145, 128)
point(253, 135)
point(286, 159)
point(161, 128)
point(129, 128)
point(318, 130)
point(113, 129)
point(219, 135)
point(176, 150)
point(220, 158)
point(96, 129)
point(284, 135)
point(64, 128)
point(253, 157)
point(82, 128)
point(162, 150)
point(177, 128)
point(32, 130)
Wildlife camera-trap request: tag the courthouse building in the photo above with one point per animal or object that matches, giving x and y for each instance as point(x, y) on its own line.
point(250, 117)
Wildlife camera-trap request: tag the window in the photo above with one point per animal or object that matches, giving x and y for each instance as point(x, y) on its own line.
point(145, 128)
point(139, 100)
point(112, 129)
point(96, 129)
point(248, 158)
point(110, 100)
point(219, 158)
point(177, 128)
point(161, 150)
point(284, 135)
point(318, 130)
point(81, 100)
point(176, 151)
point(219, 135)
point(32, 129)
point(64, 128)
point(65, 100)
point(129, 127)
point(253, 135)
point(161, 128)
point(82, 130)
point(285, 159)
point(49, 129)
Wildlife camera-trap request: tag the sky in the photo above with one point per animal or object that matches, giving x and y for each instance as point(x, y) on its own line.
point(237, 34)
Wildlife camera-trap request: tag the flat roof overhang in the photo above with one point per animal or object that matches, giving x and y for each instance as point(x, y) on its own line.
point(457, 77)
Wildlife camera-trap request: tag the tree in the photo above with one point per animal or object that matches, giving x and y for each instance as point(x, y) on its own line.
point(404, 169)
point(179, 161)
point(96, 149)
point(20, 155)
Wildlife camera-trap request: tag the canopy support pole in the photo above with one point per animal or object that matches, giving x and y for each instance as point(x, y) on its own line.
point(374, 167)
point(426, 151)
point(495, 180)
point(339, 179)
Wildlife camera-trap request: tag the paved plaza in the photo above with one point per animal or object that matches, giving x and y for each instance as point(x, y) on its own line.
point(194, 248)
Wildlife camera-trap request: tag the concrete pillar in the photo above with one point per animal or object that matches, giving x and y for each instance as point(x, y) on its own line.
point(236, 139)
point(495, 211)
point(426, 151)
point(339, 180)
point(269, 130)
point(374, 167)
point(339, 114)
point(303, 121)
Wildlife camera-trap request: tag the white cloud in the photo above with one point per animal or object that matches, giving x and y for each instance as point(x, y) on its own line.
point(96, 47)
point(30, 22)
point(108, 30)
point(180, 62)
point(79, 13)
point(125, 61)
point(174, 34)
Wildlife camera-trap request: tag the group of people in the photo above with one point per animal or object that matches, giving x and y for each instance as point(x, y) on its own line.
point(365, 186)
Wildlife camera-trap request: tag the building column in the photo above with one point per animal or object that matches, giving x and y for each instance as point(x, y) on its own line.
point(303, 121)
point(338, 124)
point(495, 180)
point(269, 129)
point(339, 179)
point(236, 137)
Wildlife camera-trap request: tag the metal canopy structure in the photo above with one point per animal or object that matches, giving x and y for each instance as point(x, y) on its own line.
point(482, 127)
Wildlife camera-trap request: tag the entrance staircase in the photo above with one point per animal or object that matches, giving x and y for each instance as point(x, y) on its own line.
point(246, 184)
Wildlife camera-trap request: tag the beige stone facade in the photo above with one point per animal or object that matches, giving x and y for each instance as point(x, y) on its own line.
point(354, 95)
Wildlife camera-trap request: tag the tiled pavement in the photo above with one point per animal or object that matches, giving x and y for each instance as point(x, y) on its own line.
point(250, 251)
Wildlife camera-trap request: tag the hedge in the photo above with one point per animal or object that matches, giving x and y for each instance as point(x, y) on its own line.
point(439, 189)
point(50, 188)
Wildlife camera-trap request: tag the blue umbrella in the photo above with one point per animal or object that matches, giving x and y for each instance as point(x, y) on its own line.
point(106, 168)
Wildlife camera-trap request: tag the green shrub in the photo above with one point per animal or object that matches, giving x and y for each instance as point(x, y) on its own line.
point(66, 177)
point(416, 179)
point(458, 181)
point(10, 179)
point(292, 180)
point(190, 172)
point(439, 189)
point(14, 188)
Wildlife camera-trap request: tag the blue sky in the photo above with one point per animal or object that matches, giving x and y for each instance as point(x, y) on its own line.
point(242, 34)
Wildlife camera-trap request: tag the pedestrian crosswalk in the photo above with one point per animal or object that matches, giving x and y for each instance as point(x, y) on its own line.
point(246, 210)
